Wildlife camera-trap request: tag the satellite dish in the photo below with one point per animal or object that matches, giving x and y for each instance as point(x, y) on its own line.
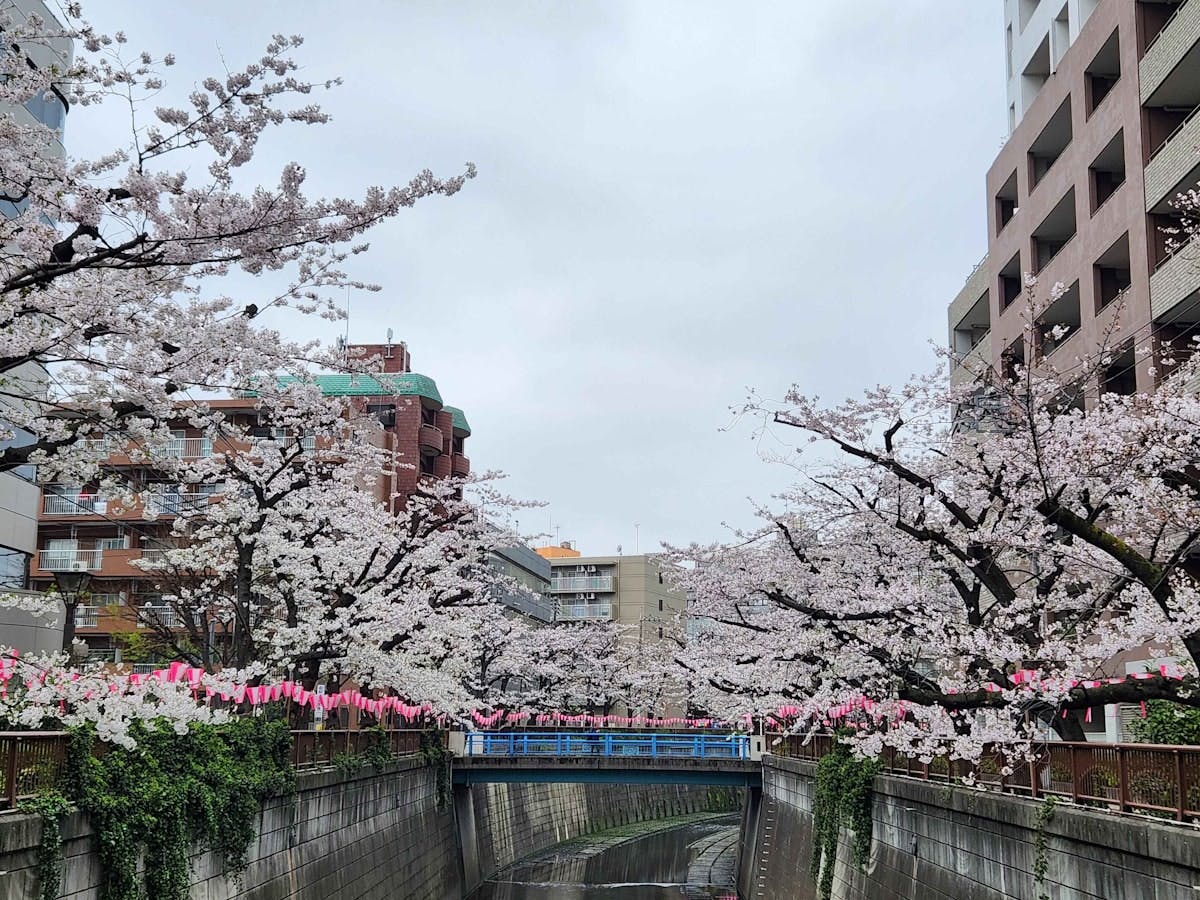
point(618, 549)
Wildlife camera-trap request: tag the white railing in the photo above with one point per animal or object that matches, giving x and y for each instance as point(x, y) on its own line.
point(583, 612)
point(104, 655)
point(582, 583)
point(189, 448)
point(308, 442)
point(69, 560)
point(170, 504)
point(72, 503)
point(85, 617)
point(157, 615)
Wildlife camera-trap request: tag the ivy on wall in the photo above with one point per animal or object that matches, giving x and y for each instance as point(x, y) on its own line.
point(842, 797)
point(172, 794)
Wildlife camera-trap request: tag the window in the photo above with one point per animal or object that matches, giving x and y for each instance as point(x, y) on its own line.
point(1112, 273)
point(1006, 202)
point(1050, 144)
point(1008, 51)
point(14, 567)
point(20, 438)
point(1010, 282)
point(428, 416)
point(1013, 359)
point(1060, 321)
point(121, 542)
point(1107, 171)
point(660, 603)
point(385, 412)
point(1054, 233)
point(1102, 74)
point(1120, 375)
point(456, 445)
point(428, 466)
point(973, 327)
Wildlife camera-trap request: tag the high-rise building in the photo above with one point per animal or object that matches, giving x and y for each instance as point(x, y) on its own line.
point(81, 530)
point(18, 488)
point(1102, 96)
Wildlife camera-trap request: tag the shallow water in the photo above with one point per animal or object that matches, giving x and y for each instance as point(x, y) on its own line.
point(691, 861)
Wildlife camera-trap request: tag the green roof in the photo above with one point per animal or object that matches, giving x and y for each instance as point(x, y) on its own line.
point(459, 418)
point(401, 383)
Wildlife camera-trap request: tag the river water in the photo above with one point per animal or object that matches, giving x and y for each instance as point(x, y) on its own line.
point(691, 861)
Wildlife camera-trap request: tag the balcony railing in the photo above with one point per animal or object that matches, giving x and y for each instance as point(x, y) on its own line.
point(86, 617)
point(170, 504)
point(189, 448)
point(163, 616)
point(582, 583)
point(584, 612)
point(70, 560)
point(72, 503)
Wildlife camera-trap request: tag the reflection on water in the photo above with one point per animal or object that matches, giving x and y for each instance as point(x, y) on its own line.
point(691, 861)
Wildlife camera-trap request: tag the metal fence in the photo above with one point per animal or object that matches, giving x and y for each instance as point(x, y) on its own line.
point(1155, 779)
point(33, 761)
point(697, 745)
point(313, 749)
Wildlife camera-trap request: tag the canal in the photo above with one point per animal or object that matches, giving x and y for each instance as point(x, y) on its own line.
point(691, 859)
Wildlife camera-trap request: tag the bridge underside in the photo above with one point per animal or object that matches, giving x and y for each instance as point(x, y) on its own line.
point(482, 770)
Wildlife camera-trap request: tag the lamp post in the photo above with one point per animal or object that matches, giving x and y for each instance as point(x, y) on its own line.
point(72, 586)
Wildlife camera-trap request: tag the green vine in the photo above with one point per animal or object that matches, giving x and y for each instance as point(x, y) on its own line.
point(841, 798)
point(53, 808)
point(1045, 815)
point(172, 794)
point(434, 753)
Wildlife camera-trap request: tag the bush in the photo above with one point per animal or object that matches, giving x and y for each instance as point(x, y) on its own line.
point(1167, 723)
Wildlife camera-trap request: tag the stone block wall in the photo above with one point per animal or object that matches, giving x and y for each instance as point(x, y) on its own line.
point(939, 843)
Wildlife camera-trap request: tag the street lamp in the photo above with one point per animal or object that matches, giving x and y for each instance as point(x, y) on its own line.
point(72, 586)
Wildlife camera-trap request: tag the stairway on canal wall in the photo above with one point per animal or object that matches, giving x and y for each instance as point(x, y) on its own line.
point(939, 843)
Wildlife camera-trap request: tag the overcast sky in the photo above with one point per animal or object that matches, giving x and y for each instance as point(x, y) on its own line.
point(676, 201)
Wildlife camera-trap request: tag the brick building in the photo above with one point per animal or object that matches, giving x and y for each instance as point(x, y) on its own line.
point(80, 530)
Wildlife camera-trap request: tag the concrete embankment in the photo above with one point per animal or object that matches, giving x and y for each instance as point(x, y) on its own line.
point(376, 835)
point(940, 843)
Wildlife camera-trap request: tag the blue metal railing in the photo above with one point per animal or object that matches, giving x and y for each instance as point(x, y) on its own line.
point(654, 746)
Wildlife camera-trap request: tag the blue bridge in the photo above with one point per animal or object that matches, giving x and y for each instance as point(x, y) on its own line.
point(622, 757)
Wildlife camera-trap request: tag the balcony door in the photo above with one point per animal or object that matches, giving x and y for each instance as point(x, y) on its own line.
point(59, 554)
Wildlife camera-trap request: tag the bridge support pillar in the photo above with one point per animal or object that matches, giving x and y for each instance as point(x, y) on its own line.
point(468, 843)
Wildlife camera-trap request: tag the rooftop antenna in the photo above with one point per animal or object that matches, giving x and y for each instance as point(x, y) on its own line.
point(636, 538)
point(618, 549)
point(347, 314)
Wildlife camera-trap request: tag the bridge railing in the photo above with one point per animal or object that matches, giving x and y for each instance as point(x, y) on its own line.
point(1155, 779)
point(641, 745)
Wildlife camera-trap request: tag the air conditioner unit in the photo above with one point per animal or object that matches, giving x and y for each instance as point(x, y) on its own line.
point(587, 596)
point(591, 568)
point(581, 568)
point(77, 565)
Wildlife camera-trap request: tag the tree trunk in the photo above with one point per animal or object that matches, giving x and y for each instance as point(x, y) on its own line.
point(1069, 729)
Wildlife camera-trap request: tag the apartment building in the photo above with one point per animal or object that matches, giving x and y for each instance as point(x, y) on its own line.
point(18, 488)
point(81, 530)
point(1102, 101)
point(630, 590)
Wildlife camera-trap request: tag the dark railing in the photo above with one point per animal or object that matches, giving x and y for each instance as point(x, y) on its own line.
point(1148, 778)
point(313, 749)
point(33, 762)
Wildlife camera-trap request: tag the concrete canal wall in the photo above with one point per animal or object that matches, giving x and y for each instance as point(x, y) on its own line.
point(375, 836)
point(939, 843)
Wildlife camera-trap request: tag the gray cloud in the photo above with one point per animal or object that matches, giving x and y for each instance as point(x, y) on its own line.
point(675, 201)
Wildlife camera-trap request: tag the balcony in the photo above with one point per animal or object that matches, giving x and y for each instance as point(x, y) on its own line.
point(175, 504)
point(70, 560)
point(1172, 45)
point(460, 465)
point(188, 448)
point(1174, 281)
point(161, 616)
point(584, 612)
point(85, 617)
point(970, 366)
point(602, 583)
point(72, 503)
point(430, 438)
point(1173, 166)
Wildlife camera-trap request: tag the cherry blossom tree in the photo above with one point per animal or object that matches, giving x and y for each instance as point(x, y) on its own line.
point(978, 561)
point(115, 270)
